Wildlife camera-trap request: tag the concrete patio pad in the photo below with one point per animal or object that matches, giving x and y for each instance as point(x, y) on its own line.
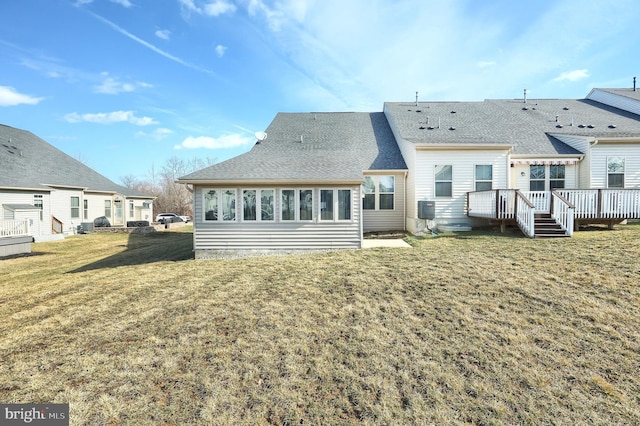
point(381, 242)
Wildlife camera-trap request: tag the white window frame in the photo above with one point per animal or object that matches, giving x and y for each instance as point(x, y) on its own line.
point(258, 192)
point(436, 181)
point(295, 205)
point(609, 173)
point(312, 203)
point(377, 193)
point(219, 192)
point(75, 209)
point(476, 181)
point(335, 205)
point(85, 209)
point(38, 201)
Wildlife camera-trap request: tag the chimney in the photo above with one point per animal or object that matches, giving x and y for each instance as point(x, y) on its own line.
point(525, 96)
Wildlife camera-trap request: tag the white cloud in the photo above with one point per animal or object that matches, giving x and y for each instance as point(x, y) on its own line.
point(125, 3)
point(211, 8)
point(112, 86)
point(158, 134)
point(110, 117)
point(163, 34)
point(10, 97)
point(207, 142)
point(220, 50)
point(219, 7)
point(572, 75)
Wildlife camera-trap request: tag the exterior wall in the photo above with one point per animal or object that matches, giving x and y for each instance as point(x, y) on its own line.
point(518, 181)
point(617, 101)
point(583, 145)
point(631, 154)
point(41, 227)
point(276, 235)
point(453, 209)
point(387, 220)
point(61, 208)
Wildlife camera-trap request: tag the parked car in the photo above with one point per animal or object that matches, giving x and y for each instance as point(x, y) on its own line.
point(168, 218)
point(101, 222)
point(185, 219)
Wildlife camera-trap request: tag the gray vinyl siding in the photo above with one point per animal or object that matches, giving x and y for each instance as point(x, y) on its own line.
point(277, 235)
point(616, 101)
point(631, 155)
point(26, 197)
point(453, 209)
point(583, 145)
point(388, 220)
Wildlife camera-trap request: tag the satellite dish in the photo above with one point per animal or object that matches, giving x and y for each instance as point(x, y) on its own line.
point(261, 136)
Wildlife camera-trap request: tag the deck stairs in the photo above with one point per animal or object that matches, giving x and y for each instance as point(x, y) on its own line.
point(547, 227)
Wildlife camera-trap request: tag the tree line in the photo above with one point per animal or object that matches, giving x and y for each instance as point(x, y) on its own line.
point(171, 197)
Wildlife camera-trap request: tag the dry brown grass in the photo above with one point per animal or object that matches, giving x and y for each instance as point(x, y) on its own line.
point(474, 328)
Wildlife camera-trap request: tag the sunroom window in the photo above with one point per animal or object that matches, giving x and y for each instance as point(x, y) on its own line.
point(220, 205)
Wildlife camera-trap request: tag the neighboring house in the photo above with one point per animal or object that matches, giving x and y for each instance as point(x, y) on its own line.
point(55, 193)
point(504, 160)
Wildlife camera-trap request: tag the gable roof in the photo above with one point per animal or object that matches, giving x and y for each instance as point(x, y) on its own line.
point(528, 127)
point(29, 162)
point(313, 147)
point(626, 92)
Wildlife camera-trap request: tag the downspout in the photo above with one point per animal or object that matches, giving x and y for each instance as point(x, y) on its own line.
point(404, 213)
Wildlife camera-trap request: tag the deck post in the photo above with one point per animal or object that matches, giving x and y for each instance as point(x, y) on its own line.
point(599, 212)
point(497, 203)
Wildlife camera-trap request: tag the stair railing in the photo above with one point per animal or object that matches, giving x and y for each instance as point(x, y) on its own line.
point(525, 214)
point(56, 225)
point(562, 211)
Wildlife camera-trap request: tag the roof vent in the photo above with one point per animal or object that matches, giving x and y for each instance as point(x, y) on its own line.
point(525, 108)
point(612, 126)
point(566, 108)
point(581, 126)
point(452, 128)
point(422, 127)
point(557, 118)
point(418, 110)
point(559, 126)
point(525, 96)
point(453, 112)
point(590, 126)
point(634, 84)
point(430, 127)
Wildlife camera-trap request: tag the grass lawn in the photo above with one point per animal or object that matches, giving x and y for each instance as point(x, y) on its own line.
point(473, 328)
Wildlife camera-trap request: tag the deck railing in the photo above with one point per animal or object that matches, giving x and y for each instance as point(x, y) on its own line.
point(56, 225)
point(525, 214)
point(540, 199)
point(14, 227)
point(604, 203)
point(562, 210)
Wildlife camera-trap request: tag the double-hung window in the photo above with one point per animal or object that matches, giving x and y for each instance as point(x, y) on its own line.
point(75, 207)
point(484, 177)
point(444, 180)
point(85, 209)
point(107, 208)
point(379, 192)
point(131, 209)
point(220, 205)
point(38, 201)
point(615, 172)
point(537, 177)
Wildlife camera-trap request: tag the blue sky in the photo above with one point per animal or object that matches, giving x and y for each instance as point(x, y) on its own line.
point(123, 85)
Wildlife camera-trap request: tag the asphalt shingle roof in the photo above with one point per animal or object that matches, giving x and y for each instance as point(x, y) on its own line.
point(313, 147)
point(628, 93)
point(29, 162)
point(528, 127)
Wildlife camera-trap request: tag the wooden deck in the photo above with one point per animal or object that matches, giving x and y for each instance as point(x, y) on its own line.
point(566, 207)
